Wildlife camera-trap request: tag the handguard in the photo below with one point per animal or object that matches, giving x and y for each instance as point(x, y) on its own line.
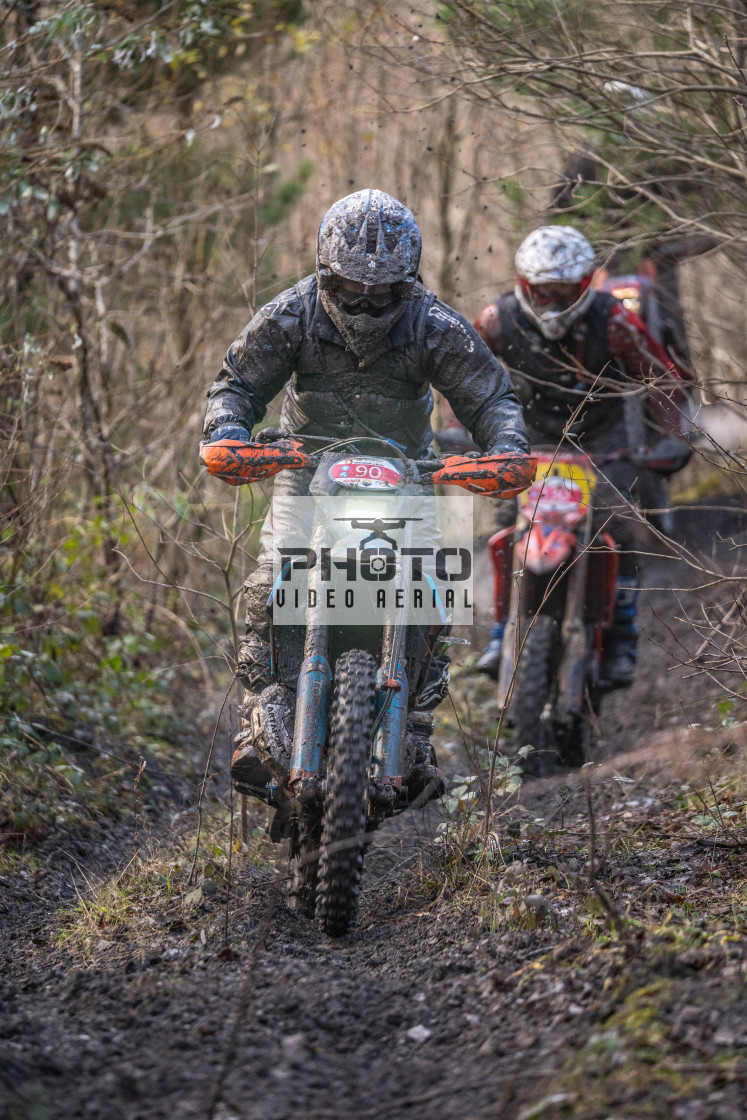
point(236, 462)
point(504, 476)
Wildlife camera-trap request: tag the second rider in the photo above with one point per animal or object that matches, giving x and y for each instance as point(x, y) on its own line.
point(574, 354)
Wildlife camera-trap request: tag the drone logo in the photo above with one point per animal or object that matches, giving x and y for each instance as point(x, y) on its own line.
point(377, 528)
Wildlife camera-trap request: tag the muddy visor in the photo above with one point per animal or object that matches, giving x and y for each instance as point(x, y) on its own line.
point(354, 294)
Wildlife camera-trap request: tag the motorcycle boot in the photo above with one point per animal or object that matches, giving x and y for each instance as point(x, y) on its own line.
point(254, 671)
point(424, 780)
point(621, 644)
point(247, 768)
point(254, 662)
point(489, 661)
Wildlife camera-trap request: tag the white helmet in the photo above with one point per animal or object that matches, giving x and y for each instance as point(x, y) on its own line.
point(554, 255)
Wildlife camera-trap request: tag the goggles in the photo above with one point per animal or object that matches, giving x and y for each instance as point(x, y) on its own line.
point(353, 293)
point(554, 296)
point(554, 305)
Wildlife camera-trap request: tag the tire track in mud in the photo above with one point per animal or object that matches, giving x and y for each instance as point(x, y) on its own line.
point(424, 1011)
point(290, 1024)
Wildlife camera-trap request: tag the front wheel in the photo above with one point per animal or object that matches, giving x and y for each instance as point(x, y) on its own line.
point(532, 708)
point(346, 801)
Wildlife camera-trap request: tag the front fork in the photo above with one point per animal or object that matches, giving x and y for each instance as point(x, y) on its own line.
point(572, 671)
point(312, 707)
point(511, 634)
point(312, 711)
point(392, 701)
point(311, 722)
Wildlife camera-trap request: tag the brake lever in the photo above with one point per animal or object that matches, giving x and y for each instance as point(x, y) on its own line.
point(271, 435)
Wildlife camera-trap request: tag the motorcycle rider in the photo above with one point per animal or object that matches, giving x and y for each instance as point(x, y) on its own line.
point(567, 345)
point(356, 345)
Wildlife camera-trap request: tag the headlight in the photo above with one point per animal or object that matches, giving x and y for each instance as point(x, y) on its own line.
point(363, 508)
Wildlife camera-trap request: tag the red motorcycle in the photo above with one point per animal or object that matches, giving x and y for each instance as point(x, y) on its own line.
point(555, 590)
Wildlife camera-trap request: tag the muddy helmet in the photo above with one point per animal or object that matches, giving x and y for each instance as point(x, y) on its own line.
point(554, 257)
point(370, 240)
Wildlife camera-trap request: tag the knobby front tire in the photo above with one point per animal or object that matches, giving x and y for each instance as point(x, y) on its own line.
point(346, 802)
point(532, 709)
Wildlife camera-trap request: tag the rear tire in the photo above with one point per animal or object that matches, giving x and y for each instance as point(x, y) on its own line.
point(346, 802)
point(575, 748)
point(532, 708)
point(303, 869)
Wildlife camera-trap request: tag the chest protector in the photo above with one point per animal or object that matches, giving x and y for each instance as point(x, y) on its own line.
point(552, 377)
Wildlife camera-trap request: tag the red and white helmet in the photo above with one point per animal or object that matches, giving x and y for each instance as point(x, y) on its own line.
point(551, 256)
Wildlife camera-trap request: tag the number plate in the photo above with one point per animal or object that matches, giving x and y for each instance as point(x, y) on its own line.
point(366, 474)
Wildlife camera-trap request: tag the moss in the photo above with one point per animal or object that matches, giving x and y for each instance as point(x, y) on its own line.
point(638, 1064)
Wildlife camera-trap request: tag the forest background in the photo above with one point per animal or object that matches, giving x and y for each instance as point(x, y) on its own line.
point(164, 167)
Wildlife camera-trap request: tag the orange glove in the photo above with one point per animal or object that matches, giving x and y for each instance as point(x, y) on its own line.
point(236, 462)
point(504, 475)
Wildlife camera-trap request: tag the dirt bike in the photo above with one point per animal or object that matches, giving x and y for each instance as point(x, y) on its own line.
point(555, 588)
point(340, 743)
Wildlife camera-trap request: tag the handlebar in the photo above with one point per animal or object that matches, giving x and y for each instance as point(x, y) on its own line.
point(272, 451)
point(270, 435)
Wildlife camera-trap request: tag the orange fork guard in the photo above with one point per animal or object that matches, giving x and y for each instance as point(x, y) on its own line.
point(237, 463)
point(504, 476)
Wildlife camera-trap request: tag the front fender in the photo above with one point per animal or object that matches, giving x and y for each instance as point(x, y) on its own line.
point(547, 550)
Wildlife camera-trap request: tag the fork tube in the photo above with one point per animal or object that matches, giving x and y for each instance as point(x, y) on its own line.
point(509, 644)
point(387, 746)
point(387, 763)
point(572, 670)
point(312, 703)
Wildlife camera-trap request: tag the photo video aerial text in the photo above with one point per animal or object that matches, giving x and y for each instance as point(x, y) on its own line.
point(368, 558)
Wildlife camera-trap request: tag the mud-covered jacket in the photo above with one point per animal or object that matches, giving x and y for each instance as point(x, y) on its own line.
point(603, 350)
point(330, 392)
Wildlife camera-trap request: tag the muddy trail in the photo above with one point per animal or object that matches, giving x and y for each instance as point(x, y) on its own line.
point(593, 966)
